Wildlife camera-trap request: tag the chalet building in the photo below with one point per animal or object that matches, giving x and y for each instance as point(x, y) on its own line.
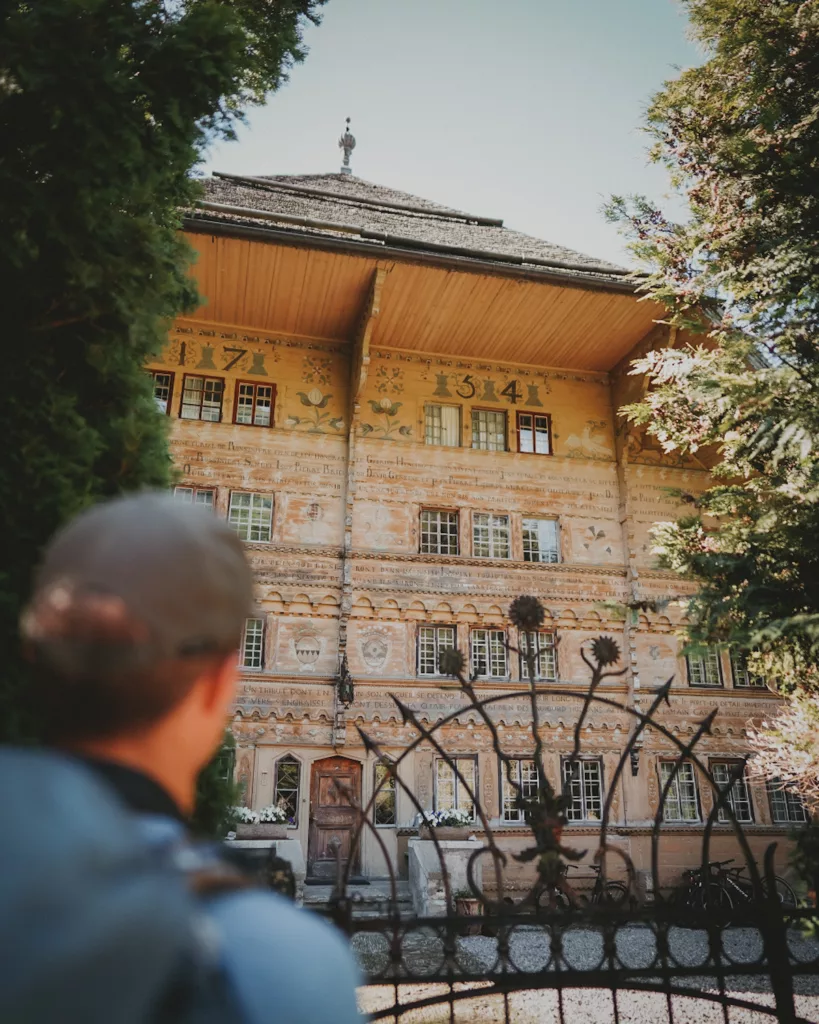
point(409, 414)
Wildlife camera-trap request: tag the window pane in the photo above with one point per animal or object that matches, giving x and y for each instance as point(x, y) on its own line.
point(442, 425)
point(490, 536)
point(526, 433)
point(540, 540)
point(432, 640)
point(739, 671)
point(488, 652)
point(251, 515)
point(212, 401)
point(244, 403)
point(786, 807)
point(704, 668)
point(739, 798)
point(384, 807)
point(542, 446)
point(439, 533)
point(681, 801)
point(489, 430)
point(519, 779)
point(445, 786)
point(192, 398)
point(163, 383)
point(253, 643)
point(286, 793)
point(542, 645)
point(184, 494)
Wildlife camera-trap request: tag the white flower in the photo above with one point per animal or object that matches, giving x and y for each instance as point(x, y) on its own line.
point(314, 396)
point(272, 815)
point(244, 816)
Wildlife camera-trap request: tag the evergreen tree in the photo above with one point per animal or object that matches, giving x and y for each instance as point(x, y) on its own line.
point(740, 136)
point(105, 108)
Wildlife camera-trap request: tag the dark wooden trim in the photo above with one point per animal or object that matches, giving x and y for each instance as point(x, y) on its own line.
point(254, 384)
point(535, 415)
point(204, 377)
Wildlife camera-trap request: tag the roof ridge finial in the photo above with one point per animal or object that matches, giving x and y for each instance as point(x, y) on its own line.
point(347, 143)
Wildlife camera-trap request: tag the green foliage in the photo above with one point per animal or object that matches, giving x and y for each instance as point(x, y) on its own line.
point(740, 136)
point(105, 107)
point(217, 794)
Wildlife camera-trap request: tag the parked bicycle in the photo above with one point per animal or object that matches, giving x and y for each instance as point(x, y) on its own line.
point(718, 886)
point(562, 895)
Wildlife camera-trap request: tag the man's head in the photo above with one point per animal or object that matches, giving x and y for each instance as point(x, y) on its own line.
point(136, 616)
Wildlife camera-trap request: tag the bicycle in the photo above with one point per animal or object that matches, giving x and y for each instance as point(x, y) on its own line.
point(742, 888)
point(562, 895)
point(717, 887)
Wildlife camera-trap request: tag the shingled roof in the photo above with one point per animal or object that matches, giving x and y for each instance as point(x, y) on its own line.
point(343, 206)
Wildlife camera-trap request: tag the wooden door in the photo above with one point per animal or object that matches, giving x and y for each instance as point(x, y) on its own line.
point(332, 818)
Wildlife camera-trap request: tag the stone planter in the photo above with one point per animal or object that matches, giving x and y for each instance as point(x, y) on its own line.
point(459, 832)
point(468, 906)
point(267, 830)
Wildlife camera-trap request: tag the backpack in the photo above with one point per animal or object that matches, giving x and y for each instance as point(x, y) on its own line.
point(97, 924)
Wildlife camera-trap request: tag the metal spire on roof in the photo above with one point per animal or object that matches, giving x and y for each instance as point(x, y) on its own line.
point(347, 143)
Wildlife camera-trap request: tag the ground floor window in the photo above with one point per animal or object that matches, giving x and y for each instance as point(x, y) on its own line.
point(583, 788)
point(518, 778)
point(286, 792)
point(681, 802)
point(450, 792)
point(384, 788)
point(739, 796)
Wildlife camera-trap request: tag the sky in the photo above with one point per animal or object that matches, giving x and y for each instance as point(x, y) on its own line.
point(528, 110)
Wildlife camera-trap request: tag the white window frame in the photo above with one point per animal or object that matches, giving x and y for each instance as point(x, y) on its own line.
point(489, 438)
point(461, 799)
point(436, 431)
point(523, 771)
point(205, 496)
point(491, 536)
point(739, 796)
point(583, 787)
point(704, 668)
point(252, 650)
point(488, 645)
point(786, 805)
point(387, 787)
point(434, 540)
point(534, 550)
point(289, 759)
point(545, 649)
point(682, 793)
point(740, 676)
point(431, 641)
point(253, 517)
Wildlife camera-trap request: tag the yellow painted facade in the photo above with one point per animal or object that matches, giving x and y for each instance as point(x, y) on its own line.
point(340, 572)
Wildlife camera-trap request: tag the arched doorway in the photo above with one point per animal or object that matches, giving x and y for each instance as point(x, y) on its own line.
point(332, 817)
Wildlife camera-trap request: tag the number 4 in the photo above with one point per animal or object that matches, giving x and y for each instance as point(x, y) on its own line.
point(513, 392)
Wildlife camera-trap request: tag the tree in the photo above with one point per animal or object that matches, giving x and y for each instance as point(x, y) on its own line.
point(740, 137)
point(105, 108)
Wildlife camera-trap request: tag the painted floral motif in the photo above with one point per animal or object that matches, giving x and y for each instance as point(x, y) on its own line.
point(315, 400)
point(388, 409)
point(389, 379)
point(316, 370)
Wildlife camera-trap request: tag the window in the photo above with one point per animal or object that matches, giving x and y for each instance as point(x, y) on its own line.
point(739, 672)
point(488, 653)
point(489, 430)
point(786, 807)
point(439, 532)
point(583, 787)
point(163, 389)
point(202, 398)
point(681, 802)
point(442, 425)
point(431, 641)
point(251, 515)
point(384, 788)
point(704, 668)
point(739, 797)
point(194, 496)
point(254, 403)
point(286, 791)
point(490, 535)
point(540, 541)
point(542, 645)
point(450, 792)
point(518, 779)
point(253, 644)
point(534, 433)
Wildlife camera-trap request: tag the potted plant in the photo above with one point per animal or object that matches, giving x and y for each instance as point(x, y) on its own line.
point(268, 823)
point(449, 824)
point(467, 904)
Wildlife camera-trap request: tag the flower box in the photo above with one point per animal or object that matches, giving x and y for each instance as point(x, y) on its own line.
point(448, 832)
point(262, 830)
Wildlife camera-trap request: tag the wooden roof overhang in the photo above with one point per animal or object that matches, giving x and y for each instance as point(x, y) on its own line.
point(315, 286)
